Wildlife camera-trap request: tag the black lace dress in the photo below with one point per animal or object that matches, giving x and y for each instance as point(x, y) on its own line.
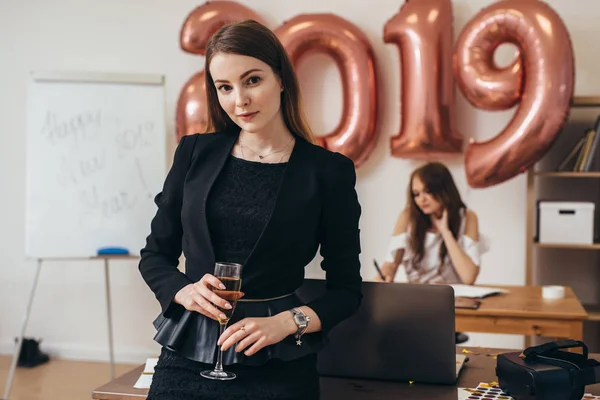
point(238, 208)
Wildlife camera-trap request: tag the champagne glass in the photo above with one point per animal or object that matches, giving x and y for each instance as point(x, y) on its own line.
point(231, 276)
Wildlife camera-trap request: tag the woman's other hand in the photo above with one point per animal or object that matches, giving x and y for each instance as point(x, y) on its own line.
point(253, 334)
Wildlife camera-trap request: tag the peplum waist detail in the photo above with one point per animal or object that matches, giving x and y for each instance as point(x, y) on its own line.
point(194, 336)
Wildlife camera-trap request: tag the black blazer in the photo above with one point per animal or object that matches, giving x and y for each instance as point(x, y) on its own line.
point(316, 205)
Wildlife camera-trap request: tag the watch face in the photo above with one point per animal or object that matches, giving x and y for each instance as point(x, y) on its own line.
point(300, 319)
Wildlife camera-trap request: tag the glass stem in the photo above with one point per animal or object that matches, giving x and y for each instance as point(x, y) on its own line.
point(219, 365)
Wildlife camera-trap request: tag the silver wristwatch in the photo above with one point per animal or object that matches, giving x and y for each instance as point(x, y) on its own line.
point(301, 321)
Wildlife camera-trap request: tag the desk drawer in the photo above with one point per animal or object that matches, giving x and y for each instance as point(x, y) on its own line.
point(519, 326)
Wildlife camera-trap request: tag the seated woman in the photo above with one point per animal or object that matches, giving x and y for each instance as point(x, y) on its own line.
point(436, 237)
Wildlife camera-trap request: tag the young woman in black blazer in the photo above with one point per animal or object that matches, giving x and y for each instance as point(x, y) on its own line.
point(257, 191)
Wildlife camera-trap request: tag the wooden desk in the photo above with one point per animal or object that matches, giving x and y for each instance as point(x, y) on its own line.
point(479, 368)
point(523, 311)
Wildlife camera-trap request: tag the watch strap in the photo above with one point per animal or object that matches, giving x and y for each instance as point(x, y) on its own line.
point(301, 329)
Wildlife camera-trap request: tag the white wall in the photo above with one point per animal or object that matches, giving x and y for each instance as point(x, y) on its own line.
point(142, 36)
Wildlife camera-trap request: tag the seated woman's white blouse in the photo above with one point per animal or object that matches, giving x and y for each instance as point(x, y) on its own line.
point(430, 269)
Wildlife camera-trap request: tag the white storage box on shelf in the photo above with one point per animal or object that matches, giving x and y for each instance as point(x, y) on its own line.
point(566, 222)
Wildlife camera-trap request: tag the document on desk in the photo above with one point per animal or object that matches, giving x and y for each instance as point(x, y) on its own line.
point(475, 292)
point(145, 378)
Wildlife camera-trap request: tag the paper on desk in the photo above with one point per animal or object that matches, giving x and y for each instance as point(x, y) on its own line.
point(475, 292)
point(150, 364)
point(145, 378)
point(143, 382)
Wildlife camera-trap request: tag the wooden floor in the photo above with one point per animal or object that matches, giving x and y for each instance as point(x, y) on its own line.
point(57, 379)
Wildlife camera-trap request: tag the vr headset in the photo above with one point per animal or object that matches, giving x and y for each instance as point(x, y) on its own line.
point(546, 372)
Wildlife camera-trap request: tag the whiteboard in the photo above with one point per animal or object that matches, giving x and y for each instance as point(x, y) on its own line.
point(95, 159)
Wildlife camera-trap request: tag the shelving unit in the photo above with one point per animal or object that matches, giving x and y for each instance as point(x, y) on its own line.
point(568, 174)
point(562, 184)
point(595, 246)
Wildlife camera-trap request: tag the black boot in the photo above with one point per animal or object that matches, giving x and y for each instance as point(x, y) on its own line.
point(31, 355)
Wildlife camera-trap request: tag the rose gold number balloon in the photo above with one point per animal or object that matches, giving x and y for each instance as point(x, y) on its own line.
point(351, 51)
point(547, 59)
point(191, 115)
point(422, 31)
point(484, 84)
point(199, 26)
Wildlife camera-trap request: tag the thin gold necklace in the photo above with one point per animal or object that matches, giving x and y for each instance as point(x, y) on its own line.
point(260, 157)
point(244, 156)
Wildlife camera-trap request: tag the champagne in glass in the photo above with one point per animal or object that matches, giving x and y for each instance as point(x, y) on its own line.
point(231, 293)
point(230, 274)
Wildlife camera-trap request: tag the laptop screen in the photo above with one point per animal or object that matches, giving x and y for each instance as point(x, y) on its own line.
point(401, 332)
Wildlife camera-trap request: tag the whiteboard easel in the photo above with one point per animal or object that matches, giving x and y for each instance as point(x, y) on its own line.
point(96, 156)
point(70, 115)
point(106, 261)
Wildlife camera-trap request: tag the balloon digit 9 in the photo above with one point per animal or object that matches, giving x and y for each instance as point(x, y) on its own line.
point(547, 58)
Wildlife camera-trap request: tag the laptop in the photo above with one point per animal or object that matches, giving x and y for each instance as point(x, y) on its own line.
point(401, 332)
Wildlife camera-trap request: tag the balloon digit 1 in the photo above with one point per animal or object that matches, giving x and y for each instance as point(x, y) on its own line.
point(422, 31)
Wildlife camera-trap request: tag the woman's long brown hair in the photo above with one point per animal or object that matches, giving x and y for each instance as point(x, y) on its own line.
point(250, 38)
point(438, 182)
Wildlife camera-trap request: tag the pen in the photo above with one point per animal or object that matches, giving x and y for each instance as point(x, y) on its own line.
point(378, 269)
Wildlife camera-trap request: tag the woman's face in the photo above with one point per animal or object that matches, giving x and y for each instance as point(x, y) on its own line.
point(248, 90)
point(423, 199)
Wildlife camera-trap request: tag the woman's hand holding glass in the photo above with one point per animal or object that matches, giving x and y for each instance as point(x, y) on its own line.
point(199, 297)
